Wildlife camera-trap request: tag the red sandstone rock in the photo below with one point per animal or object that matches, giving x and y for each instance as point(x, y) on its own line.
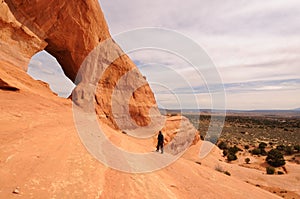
point(72, 29)
point(17, 42)
point(40, 151)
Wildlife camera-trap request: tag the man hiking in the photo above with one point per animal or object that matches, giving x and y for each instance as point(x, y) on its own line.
point(160, 142)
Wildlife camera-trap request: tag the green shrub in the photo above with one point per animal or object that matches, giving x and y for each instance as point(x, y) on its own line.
point(262, 145)
point(297, 148)
point(289, 150)
point(275, 158)
point(256, 151)
point(234, 150)
point(247, 160)
point(225, 152)
point(271, 143)
point(270, 170)
point(259, 151)
point(222, 145)
point(280, 147)
point(231, 157)
point(263, 152)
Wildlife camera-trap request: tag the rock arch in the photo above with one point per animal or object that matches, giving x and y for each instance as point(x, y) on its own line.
point(69, 30)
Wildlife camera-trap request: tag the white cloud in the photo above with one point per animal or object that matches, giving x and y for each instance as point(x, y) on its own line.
point(254, 44)
point(287, 99)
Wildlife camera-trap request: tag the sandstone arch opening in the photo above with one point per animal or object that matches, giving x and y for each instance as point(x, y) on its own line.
point(45, 67)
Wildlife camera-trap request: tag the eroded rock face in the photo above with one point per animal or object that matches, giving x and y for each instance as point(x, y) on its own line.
point(17, 43)
point(72, 29)
point(179, 134)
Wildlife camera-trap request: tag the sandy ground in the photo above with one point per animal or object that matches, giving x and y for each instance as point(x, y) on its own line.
point(287, 185)
point(41, 156)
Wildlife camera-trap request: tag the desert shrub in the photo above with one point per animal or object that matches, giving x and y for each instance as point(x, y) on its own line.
point(234, 149)
point(256, 151)
point(246, 147)
point(270, 170)
point(263, 152)
point(225, 152)
point(297, 148)
point(280, 147)
point(231, 153)
point(271, 143)
point(262, 145)
point(289, 150)
point(275, 158)
point(259, 151)
point(222, 145)
point(247, 160)
point(231, 157)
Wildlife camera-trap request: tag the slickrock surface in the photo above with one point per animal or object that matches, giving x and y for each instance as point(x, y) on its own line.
point(41, 154)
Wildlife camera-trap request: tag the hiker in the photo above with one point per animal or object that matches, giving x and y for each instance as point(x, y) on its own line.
point(160, 142)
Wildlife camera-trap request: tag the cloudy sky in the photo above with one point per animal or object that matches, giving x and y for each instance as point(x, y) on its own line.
point(255, 46)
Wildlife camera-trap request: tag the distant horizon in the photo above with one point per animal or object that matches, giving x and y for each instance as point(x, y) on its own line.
point(246, 110)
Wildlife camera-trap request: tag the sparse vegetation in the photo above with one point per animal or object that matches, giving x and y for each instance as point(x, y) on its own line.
point(271, 143)
point(262, 145)
point(256, 151)
point(260, 150)
point(274, 136)
point(231, 157)
point(275, 158)
point(230, 153)
point(280, 147)
point(234, 149)
point(222, 145)
point(289, 150)
point(267, 128)
point(247, 160)
point(270, 170)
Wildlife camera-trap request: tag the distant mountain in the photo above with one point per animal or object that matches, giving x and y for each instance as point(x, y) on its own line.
point(296, 109)
point(264, 112)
